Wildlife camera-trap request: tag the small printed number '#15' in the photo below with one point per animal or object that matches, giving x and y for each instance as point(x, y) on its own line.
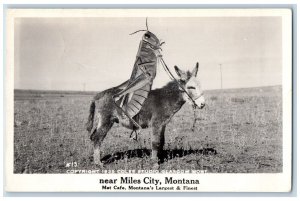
point(72, 164)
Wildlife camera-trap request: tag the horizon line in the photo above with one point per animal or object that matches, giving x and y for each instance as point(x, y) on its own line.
point(66, 90)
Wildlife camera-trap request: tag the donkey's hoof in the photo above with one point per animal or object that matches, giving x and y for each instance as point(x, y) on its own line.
point(154, 164)
point(97, 157)
point(98, 164)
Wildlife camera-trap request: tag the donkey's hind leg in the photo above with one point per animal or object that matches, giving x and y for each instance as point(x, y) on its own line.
point(97, 137)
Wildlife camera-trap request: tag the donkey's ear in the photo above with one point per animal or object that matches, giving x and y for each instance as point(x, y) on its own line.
point(178, 71)
point(195, 70)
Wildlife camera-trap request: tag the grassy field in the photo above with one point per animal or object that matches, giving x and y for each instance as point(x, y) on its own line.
point(240, 130)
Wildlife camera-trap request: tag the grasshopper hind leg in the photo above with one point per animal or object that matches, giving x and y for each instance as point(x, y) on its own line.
point(136, 128)
point(136, 131)
point(134, 134)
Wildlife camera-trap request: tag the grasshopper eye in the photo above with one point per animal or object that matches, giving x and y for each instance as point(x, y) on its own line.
point(147, 36)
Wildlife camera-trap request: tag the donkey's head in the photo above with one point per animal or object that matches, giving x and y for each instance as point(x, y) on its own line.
point(191, 85)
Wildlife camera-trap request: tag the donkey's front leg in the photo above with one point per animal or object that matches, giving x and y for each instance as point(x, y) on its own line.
point(158, 142)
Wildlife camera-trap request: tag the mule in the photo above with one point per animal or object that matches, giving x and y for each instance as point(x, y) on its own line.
point(157, 111)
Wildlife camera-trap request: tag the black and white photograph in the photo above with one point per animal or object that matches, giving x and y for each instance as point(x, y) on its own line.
point(121, 94)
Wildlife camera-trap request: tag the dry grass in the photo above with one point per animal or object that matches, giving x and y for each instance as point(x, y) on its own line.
point(243, 126)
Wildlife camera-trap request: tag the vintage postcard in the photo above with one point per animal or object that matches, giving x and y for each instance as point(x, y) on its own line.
point(142, 100)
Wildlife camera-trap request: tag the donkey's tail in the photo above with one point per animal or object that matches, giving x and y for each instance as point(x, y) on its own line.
point(89, 123)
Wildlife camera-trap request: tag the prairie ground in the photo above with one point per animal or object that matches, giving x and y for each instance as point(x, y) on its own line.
point(239, 131)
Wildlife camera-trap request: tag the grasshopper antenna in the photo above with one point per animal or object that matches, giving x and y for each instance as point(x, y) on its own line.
point(138, 31)
point(142, 29)
point(147, 23)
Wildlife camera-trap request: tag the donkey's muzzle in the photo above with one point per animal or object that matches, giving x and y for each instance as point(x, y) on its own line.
point(200, 102)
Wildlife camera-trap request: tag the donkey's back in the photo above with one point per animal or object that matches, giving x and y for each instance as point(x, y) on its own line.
point(159, 107)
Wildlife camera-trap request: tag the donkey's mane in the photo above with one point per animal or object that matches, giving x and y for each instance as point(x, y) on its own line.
point(170, 89)
point(171, 85)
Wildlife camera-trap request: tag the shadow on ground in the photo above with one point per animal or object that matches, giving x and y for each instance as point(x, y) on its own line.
point(165, 155)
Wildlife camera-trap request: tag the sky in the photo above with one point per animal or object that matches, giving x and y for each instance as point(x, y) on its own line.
point(94, 54)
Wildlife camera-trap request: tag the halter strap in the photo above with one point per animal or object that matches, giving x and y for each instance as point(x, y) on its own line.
point(180, 86)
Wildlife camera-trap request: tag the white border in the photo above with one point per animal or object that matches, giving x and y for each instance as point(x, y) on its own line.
point(279, 182)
